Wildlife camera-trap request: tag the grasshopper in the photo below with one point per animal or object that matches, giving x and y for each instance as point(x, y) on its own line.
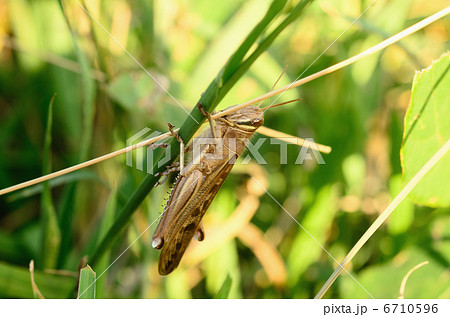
point(199, 182)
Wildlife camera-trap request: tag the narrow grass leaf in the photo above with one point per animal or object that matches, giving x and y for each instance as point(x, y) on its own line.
point(107, 221)
point(224, 262)
point(216, 90)
point(15, 283)
point(61, 180)
point(224, 290)
point(51, 235)
point(86, 288)
point(87, 111)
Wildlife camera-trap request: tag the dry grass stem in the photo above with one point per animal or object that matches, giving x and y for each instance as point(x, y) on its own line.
point(385, 214)
point(84, 164)
point(36, 290)
point(293, 139)
point(405, 279)
point(393, 39)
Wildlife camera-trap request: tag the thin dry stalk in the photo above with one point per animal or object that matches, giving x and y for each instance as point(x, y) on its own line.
point(393, 39)
point(384, 215)
point(405, 279)
point(293, 139)
point(84, 164)
point(266, 131)
point(297, 83)
point(36, 290)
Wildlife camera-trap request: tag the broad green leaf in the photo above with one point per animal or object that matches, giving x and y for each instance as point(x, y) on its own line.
point(426, 130)
point(86, 288)
point(383, 281)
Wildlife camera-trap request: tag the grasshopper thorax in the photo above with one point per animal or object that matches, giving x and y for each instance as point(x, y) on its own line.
point(247, 119)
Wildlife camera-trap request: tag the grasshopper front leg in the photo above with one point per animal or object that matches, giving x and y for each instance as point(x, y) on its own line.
point(180, 140)
point(208, 116)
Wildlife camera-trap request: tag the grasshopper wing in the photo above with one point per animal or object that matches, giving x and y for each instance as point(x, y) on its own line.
point(180, 234)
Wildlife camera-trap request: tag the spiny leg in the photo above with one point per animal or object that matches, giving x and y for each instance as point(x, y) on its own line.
point(179, 139)
point(208, 116)
point(170, 168)
point(175, 167)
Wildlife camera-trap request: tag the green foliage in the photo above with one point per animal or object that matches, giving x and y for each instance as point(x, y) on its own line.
point(426, 130)
point(429, 281)
point(224, 290)
point(317, 223)
point(51, 234)
point(16, 283)
point(231, 51)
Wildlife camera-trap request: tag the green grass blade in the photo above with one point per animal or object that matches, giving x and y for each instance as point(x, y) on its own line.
point(86, 288)
point(88, 111)
point(51, 235)
point(224, 290)
point(216, 90)
point(263, 46)
point(426, 130)
point(235, 61)
point(107, 221)
point(81, 175)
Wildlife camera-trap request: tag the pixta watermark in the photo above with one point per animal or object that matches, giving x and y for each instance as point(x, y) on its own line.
point(220, 149)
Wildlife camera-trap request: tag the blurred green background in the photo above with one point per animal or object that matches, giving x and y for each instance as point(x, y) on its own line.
point(101, 98)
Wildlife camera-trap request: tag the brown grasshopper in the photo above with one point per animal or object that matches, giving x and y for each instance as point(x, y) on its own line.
point(199, 182)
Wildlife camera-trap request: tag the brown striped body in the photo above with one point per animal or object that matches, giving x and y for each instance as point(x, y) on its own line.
point(200, 181)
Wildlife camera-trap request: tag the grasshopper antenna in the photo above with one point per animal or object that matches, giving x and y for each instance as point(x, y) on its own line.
point(280, 104)
point(276, 82)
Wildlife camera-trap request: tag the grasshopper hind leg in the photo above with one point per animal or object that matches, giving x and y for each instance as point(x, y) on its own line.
point(175, 167)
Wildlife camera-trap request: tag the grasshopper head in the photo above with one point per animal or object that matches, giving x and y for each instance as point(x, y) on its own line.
point(249, 118)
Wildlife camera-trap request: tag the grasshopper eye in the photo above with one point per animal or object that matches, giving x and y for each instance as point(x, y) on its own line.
point(257, 122)
point(247, 122)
